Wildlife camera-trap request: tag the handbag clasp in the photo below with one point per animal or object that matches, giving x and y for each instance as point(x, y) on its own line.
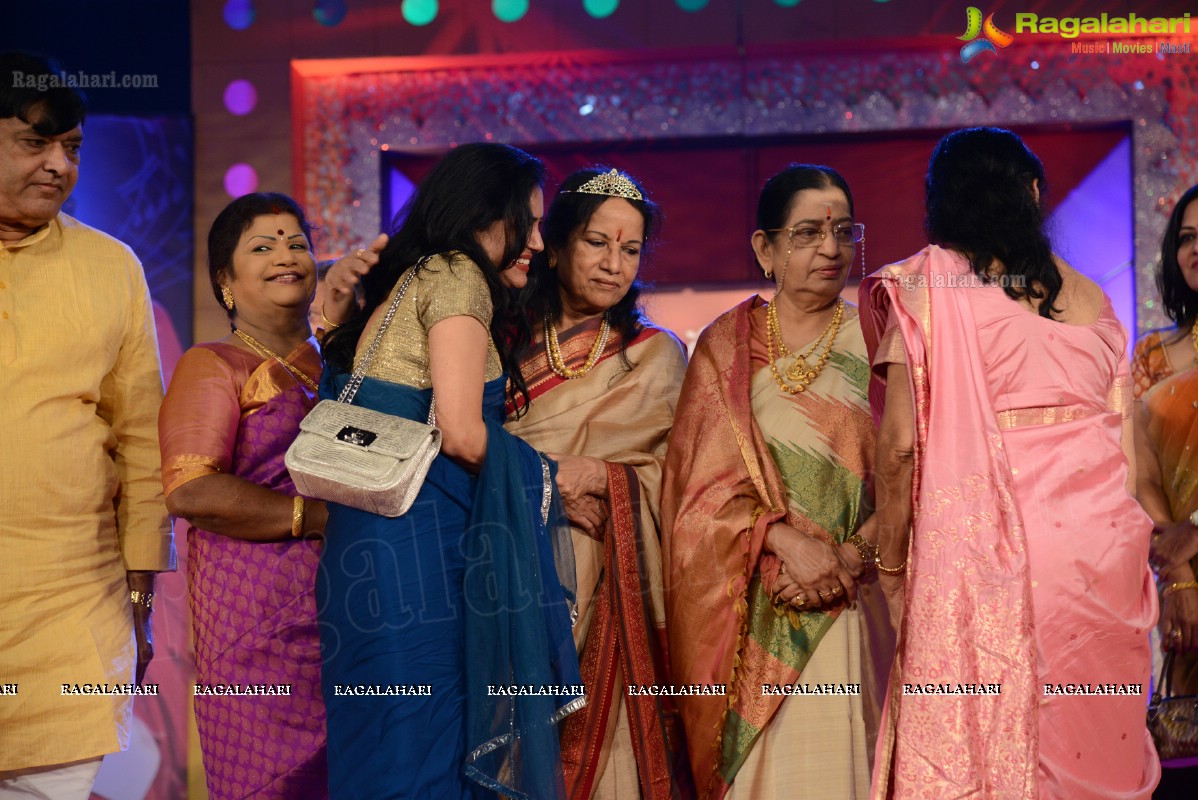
point(356, 436)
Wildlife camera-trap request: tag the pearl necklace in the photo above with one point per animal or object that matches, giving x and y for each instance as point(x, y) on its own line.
point(554, 353)
point(266, 352)
point(800, 372)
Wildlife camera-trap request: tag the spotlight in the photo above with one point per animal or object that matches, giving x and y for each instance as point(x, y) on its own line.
point(419, 12)
point(329, 12)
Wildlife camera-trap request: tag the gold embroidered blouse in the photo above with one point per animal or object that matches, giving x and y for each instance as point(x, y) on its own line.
point(449, 285)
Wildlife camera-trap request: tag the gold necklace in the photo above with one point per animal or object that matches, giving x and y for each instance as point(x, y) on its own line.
point(266, 352)
point(800, 372)
point(553, 350)
point(1194, 338)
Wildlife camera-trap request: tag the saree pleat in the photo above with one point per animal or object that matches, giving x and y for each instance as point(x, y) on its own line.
point(619, 413)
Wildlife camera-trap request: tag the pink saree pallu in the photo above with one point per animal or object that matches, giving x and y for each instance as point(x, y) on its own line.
point(1023, 661)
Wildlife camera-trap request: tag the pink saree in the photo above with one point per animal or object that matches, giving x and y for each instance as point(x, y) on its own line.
point(1028, 559)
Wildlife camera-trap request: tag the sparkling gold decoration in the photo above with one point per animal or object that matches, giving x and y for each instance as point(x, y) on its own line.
point(554, 353)
point(266, 352)
point(612, 184)
point(801, 373)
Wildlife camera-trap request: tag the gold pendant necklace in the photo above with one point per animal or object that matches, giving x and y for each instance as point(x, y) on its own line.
point(554, 353)
point(266, 352)
point(800, 372)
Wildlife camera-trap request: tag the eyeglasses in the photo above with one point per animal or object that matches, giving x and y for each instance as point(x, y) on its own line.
point(846, 234)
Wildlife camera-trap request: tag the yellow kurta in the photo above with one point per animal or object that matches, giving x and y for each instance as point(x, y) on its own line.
point(80, 490)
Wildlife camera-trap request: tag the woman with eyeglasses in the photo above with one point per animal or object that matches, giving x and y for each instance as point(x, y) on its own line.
point(1009, 540)
point(766, 512)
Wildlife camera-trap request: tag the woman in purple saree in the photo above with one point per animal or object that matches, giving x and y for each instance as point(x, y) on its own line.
point(232, 410)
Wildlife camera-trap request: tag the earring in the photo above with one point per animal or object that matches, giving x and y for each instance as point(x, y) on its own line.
point(769, 273)
point(782, 274)
point(227, 295)
point(552, 261)
point(863, 258)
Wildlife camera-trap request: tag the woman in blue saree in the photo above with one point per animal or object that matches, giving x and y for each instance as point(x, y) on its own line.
point(432, 622)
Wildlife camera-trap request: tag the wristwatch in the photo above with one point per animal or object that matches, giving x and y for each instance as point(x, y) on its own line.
point(867, 550)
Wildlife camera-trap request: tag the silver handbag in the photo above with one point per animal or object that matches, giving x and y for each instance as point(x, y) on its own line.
point(362, 458)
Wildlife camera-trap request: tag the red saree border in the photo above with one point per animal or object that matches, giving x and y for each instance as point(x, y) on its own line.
point(541, 379)
point(619, 643)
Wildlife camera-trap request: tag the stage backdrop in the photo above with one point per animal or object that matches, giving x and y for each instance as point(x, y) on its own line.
point(135, 183)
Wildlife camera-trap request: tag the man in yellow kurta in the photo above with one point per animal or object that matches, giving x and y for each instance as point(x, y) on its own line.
point(82, 525)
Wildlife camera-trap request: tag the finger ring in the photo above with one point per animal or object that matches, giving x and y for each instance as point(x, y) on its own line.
point(782, 569)
point(820, 592)
point(359, 252)
point(800, 599)
point(836, 590)
point(1176, 634)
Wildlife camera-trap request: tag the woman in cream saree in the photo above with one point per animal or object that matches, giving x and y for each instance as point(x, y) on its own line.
point(603, 383)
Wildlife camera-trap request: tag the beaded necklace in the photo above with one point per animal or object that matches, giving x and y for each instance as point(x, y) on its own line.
point(801, 372)
point(554, 353)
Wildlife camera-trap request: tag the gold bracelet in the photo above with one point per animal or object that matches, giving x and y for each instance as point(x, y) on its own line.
point(1177, 587)
point(867, 550)
point(142, 598)
point(899, 570)
point(297, 516)
point(328, 323)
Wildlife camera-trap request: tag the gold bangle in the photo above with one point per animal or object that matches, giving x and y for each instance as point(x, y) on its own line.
point(328, 323)
point(297, 516)
point(142, 598)
point(899, 570)
point(1177, 587)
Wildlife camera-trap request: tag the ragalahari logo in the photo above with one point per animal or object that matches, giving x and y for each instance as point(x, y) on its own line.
point(991, 35)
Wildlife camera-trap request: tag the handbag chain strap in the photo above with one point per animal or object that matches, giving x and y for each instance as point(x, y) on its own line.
point(355, 381)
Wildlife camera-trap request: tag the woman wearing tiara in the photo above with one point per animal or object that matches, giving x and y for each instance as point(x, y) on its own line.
point(766, 514)
point(604, 382)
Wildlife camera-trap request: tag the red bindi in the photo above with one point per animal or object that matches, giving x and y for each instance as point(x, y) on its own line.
point(620, 235)
point(280, 231)
point(829, 213)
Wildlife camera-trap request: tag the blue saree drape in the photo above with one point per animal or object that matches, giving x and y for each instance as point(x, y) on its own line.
point(436, 625)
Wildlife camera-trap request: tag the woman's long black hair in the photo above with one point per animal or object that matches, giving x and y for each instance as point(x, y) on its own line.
point(980, 201)
point(1181, 302)
point(473, 187)
point(570, 213)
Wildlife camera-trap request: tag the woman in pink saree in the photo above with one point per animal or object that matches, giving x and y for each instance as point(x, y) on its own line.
point(1010, 544)
point(232, 410)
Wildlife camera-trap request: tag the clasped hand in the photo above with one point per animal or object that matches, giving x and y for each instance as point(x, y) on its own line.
point(582, 483)
point(1173, 545)
point(814, 573)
